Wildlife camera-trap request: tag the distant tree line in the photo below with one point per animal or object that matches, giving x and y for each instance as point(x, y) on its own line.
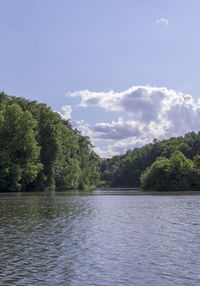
point(40, 151)
point(172, 164)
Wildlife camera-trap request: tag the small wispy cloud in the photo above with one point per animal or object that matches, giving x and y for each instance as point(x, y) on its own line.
point(162, 21)
point(67, 112)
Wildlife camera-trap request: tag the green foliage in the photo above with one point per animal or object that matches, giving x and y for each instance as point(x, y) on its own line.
point(19, 151)
point(40, 150)
point(109, 169)
point(129, 167)
point(168, 174)
point(173, 174)
point(157, 175)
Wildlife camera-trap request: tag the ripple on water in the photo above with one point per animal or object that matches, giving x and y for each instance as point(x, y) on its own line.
point(99, 240)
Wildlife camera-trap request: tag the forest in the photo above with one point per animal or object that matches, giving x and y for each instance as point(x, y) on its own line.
point(39, 150)
point(171, 164)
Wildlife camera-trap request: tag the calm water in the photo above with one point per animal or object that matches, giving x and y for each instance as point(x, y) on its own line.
point(99, 240)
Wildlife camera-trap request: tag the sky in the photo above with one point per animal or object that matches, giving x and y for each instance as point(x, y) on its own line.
point(124, 72)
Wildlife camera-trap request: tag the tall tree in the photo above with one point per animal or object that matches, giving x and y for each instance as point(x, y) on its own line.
point(19, 149)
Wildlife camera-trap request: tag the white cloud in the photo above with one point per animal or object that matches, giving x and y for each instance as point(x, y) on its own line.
point(162, 21)
point(108, 100)
point(108, 153)
point(117, 130)
point(144, 113)
point(84, 127)
point(67, 112)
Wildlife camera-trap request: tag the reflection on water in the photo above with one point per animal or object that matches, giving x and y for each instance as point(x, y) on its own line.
point(61, 239)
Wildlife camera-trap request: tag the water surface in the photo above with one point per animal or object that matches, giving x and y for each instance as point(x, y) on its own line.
point(73, 239)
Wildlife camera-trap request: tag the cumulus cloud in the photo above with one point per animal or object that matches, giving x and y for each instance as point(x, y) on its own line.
point(108, 153)
point(67, 112)
point(144, 113)
point(84, 127)
point(107, 100)
point(117, 130)
point(162, 21)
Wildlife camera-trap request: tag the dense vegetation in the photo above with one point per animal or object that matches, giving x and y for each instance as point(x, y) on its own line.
point(39, 150)
point(170, 164)
point(173, 174)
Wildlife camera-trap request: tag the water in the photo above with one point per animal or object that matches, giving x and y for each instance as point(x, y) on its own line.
point(72, 239)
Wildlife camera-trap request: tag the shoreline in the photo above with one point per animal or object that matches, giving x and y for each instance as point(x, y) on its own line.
point(104, 191)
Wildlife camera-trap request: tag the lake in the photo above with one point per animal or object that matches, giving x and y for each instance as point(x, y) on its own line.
point(105, 237)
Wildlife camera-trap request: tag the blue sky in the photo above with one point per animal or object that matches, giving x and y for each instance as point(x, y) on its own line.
point(137, 61)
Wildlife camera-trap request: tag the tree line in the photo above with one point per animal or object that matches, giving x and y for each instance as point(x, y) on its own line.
point(171, 164)
point(41, 151)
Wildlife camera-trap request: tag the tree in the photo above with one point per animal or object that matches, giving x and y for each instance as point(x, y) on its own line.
point(19, 149)
point(157, 175)
point(168, 174)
